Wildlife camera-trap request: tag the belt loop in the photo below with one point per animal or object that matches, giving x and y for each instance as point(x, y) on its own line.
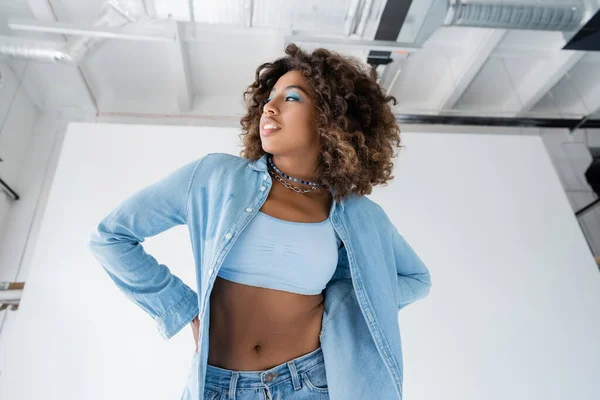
point(295, 377)
point(232, 385)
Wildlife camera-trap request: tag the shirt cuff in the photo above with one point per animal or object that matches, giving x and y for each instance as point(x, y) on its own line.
point(179, 316)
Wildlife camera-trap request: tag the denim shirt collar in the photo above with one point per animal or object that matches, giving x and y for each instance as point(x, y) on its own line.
point(261, 165)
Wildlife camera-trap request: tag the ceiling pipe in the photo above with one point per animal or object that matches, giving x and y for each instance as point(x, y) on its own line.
point(75, 49)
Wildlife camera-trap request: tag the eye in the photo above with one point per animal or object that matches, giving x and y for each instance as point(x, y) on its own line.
point(291, 96)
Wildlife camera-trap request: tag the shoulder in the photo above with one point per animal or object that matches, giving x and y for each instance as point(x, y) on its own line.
point(218, 161)
point(223, 158)
point(367, 208)
point(222, 169)
point(365, 204)
point(378, 211)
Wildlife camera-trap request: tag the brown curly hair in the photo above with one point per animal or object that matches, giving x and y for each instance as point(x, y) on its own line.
point(356, 125)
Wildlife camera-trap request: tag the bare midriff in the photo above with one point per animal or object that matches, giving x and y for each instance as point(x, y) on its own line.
point(254, 328)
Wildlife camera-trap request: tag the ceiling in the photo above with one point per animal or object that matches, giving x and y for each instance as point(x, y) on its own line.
point(201, 69)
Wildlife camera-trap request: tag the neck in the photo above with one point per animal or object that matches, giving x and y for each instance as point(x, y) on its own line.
point(296, 167)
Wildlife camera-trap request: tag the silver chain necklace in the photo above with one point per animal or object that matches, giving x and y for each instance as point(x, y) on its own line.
point(287, 185)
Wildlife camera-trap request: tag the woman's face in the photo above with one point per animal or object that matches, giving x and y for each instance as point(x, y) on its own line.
point(288, 123)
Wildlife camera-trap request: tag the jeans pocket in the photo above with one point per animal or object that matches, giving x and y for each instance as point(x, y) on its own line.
point(210, 394)
point(316, 379)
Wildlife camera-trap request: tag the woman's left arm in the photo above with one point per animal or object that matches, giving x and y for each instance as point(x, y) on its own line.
point(414, 280)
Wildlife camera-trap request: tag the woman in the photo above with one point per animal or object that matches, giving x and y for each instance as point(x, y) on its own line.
point(300, 276)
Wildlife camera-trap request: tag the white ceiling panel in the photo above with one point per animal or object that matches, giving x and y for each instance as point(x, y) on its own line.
point(562, 101)
point(224, 63)
point(15, 9)
point(72, 10)
point(413, 23)
point(132, 76)
point(453, 38)
point(585, 77)
point(527, 77)
point(326, 17)
point(205, 11)
point(221, 11)
point(9, 9)
point(578, 92)
point(83, 10)
point(491, 91)
point(433, 78)
point(532, 77)
point(422, 74)
point(54, 86)
point(536, 41)
point(466, 50)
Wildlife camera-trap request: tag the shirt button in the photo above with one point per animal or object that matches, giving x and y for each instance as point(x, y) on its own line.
point(228, 236)
point(210, 271)
point(262, 188)
point(248, 209)
point(265, 176)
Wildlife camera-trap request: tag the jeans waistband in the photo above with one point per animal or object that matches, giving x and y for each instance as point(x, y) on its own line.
point(269, 377)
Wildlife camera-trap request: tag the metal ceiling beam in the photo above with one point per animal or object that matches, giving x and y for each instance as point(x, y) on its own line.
point(182, 75)
point(248, 12)
point(565, 123)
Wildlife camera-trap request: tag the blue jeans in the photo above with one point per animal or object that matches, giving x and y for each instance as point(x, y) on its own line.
point(298, 379)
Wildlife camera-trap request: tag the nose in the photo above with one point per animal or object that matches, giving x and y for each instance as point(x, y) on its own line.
point(270, 107)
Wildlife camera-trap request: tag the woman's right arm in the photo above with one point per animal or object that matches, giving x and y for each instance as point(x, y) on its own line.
point(116, 244)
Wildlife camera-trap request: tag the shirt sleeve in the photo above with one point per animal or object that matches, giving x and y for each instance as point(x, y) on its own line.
point(117, 245)
point(414, 280)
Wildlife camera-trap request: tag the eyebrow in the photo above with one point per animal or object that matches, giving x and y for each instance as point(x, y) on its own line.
point(292, 87)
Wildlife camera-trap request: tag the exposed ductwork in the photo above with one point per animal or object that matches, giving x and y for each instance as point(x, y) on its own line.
point(539, 16)
point(566, 16)
point(75, 49)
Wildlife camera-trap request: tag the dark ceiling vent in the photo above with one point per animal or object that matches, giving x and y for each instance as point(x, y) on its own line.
point(588, 37)
point(592, 174)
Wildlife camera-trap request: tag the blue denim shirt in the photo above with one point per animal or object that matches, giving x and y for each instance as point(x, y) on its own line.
point(216, 196)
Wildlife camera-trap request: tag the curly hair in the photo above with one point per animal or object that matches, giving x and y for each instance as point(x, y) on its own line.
point(357, 128)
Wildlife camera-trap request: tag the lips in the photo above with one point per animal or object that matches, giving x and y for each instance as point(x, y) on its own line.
point(268, 126)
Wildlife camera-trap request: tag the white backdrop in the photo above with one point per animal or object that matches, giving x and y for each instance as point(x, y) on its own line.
point(513, 312)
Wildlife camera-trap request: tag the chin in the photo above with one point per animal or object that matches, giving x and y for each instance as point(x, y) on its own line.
point(268, 147)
